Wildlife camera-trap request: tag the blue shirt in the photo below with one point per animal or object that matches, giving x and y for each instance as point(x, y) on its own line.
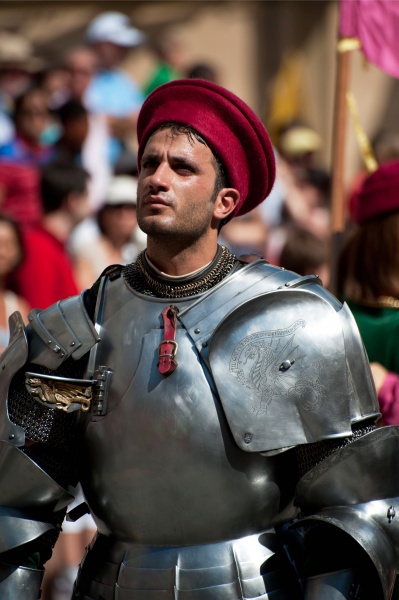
point(113, 93)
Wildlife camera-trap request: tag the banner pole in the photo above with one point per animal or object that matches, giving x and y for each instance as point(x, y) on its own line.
point(338, 209)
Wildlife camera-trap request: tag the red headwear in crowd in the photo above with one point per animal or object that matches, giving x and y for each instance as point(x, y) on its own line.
point(379, 193)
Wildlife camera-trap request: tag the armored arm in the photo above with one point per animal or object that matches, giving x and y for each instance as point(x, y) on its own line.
point(352, 496)
point(37, 442)
point(291, 372)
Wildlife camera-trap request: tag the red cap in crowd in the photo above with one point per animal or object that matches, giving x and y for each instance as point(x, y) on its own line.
point(229, 127)
point(379, 193)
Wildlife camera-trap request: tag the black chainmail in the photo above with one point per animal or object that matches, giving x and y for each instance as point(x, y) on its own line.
point(309, 455)
point(143, 279)
point(51, 430)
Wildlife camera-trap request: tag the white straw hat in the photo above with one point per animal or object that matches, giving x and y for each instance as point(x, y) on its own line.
point(122, 189)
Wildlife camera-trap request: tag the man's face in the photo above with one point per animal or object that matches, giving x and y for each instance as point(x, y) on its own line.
point(175, 195)
point(109, 55)
point(34, 115)
point(76, 130)
point(81, 67)
point(119, 222)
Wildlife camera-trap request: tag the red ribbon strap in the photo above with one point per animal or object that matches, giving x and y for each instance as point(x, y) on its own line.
point(167, 349)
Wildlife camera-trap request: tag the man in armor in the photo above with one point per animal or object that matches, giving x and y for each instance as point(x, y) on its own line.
point(218, 413)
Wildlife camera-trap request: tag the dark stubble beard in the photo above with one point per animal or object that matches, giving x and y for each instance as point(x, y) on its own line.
point(193, 228)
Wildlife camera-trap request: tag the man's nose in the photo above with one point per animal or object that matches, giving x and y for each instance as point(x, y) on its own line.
point(159, 179)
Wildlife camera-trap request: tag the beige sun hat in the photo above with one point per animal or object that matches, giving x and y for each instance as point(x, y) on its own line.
point(300, 140)
point(16, 52)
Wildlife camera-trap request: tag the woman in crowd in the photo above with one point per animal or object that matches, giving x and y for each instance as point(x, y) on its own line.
point(369, 280)
point(21, 158)
point(11, 255)
point(112, 236)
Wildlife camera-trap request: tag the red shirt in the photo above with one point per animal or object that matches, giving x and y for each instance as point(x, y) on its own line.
point(46, 274)
point(20, 193)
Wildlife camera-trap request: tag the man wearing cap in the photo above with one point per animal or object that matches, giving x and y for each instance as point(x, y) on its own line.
point(112, 91)
point(112, 235)
point(18, 66)
point(216, 412)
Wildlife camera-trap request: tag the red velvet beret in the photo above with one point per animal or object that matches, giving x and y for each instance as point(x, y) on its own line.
point(379, 193)
point(229, 127)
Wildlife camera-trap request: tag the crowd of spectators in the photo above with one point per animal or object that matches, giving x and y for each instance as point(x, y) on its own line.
point(68, 195)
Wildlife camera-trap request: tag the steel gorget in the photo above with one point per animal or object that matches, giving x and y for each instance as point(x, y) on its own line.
point(143, 279)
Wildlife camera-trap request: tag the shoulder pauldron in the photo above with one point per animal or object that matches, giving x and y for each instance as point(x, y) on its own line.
point(62, 330)
point(286, 357)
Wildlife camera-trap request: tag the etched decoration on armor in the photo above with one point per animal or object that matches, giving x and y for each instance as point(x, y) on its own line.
point(264, 362)
point(64, 395)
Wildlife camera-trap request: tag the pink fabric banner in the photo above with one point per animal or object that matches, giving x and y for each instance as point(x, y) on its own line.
point(376, 24)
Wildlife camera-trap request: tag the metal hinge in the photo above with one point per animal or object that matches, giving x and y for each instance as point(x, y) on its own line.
point(102, 378)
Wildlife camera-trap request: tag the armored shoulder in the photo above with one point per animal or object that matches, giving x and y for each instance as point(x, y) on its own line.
point(62, 330)
point(286, 357)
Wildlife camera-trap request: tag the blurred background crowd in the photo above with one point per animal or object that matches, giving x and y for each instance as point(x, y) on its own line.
point(68, 171)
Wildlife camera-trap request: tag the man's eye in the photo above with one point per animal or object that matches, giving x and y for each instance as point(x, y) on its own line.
point(148, 164)
point(184, 169)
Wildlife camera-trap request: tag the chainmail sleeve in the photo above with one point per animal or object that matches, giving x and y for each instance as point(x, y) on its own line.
point(51, 434)
point(51, 442)
point(309, 455)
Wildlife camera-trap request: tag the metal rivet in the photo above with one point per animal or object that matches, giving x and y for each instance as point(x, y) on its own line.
point(11, 436)
point(204, 344)
point(286, 364)
point(197, 330)
point(247, 438)
point(391, 513)
point(72, 343)
point(62, 354)
point(49, 341)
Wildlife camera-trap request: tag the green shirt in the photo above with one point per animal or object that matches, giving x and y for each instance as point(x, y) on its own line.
point(379, 328)
point(162, 74)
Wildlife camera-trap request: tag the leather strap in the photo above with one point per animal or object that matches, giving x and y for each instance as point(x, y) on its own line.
point(167, 349)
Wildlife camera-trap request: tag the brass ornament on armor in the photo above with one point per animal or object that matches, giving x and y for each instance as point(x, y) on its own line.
point(60, 395)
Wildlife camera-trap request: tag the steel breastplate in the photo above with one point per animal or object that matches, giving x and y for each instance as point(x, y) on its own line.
point(162, 466)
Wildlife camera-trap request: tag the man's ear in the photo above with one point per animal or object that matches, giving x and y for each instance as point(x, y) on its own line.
point(226, 201)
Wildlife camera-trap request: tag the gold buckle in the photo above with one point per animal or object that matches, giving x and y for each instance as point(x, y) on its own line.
point(174, 349)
